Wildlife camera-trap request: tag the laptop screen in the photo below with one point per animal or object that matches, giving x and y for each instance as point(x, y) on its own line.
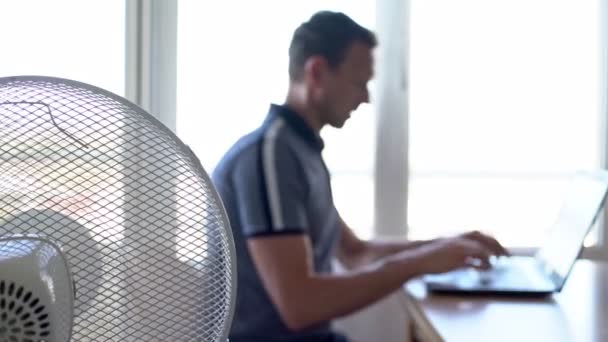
point(583, 201)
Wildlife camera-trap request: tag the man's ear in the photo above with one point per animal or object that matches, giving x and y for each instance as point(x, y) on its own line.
point(315, 70)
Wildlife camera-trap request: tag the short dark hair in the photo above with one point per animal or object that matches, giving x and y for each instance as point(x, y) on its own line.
point(327, 34)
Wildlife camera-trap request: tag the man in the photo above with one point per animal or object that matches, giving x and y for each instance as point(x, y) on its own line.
point(276, 190)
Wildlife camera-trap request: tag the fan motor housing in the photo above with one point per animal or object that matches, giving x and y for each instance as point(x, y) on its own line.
point(36, 291)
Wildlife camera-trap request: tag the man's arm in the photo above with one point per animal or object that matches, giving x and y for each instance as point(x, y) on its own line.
point(304, 298)
point(354, 252)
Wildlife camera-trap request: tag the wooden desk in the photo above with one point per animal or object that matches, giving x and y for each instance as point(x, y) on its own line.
point(579, 313)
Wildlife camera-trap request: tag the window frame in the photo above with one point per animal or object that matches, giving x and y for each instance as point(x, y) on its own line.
point(599, 251)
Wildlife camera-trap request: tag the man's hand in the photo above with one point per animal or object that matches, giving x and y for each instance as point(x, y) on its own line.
point(444, 255)
point(487, 241)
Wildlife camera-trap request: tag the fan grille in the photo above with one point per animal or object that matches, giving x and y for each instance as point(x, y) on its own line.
point(144, 231)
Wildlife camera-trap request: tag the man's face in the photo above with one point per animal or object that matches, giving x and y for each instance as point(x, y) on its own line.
point(345, 87)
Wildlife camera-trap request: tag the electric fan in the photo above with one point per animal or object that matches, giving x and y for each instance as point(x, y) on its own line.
point(145, 234)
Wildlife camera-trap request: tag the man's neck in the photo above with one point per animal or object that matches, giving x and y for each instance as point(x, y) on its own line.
point(297, 101)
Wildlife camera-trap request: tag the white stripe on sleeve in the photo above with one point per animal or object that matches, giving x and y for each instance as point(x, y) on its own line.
point(270, 173)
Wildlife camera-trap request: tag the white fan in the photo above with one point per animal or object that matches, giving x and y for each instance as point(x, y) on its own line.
point(145, 233)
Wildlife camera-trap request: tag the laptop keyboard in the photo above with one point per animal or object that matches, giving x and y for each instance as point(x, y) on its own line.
point(495, 273)
point(508, 271)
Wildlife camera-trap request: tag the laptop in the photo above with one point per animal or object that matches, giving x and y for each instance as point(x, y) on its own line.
point(546, 271)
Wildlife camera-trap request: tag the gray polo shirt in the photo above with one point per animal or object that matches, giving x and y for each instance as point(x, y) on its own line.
point(274, 182)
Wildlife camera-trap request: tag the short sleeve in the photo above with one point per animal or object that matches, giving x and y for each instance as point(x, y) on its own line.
point(270, 190)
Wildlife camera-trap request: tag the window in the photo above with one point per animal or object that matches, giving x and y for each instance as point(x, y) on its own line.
point(79, 40)
point(232, 65)
point(504, 106)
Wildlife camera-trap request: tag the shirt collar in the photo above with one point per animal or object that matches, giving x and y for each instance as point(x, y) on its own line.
point(295, 121)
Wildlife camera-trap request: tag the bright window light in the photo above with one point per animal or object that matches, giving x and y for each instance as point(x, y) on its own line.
point(505, 106)
point(78, 40)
